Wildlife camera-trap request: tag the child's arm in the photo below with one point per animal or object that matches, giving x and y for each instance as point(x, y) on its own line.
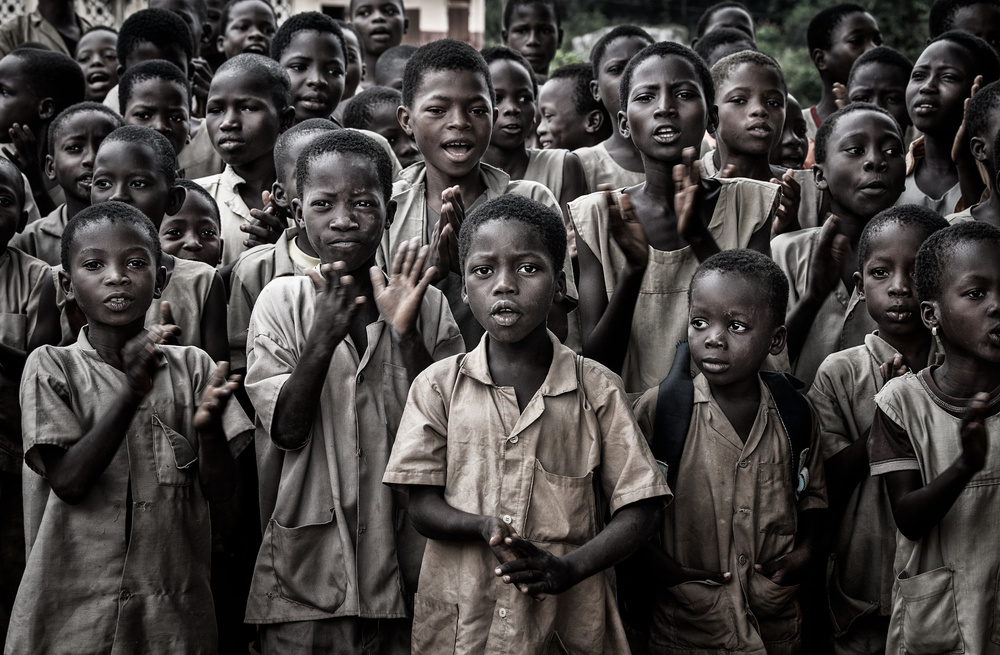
point(214, 337)
point(538, 572)
point(216, 467)
point(400, 301)
point(969, 180)
point(607, 323)
point(25, 157)
point(74, 471)
point(299, 397)
point(917, 507)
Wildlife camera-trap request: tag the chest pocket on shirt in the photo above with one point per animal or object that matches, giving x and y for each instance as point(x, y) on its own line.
point(14, 329)
point(395, 385)
point(560, 509)
point(174, 455)
point(775, 503)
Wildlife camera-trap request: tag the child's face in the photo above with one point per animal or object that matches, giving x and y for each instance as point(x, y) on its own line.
point(451, 120)
point(751, 109)
point(355, 63)
point(515, 104)
point(112, 274)
point(510, 281)
point(967, 309)
point(241, 118)
point(981, 19)
point(250, 29)
point(616, 57)
point(561, 125)
point(384, 122)
point(534, 32)
point(380, 24)
point(314, 62)
point(666, 108)
point(74, 149)
point(343, 210)
point(865, 170)
point(12, 214)
point(161, 105)
point(886, 282)
point(939, 84)
point(391, 74)
point(210, 47)
point(98, 60)
point(883, 85)
point(791, 150)
point(191, 233)
point(733, 17)
point(284, 191)
point(854, 35)
point(18, 101)
point(127, 172)
point(146, 51)
point(730, 331)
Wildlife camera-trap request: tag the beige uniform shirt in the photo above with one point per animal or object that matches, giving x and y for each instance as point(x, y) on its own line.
point(734, 506)
point(599, 168)
point(337, 542)
point(199, 158)
point(34, 27)
point(842, 320)
point(945, 594)
point(232, 210)
point(963, 216)
point(546, 168)
point(255, 268)
point(661, 312)
point(43, 238)
point(551, 472)
point(92, 585)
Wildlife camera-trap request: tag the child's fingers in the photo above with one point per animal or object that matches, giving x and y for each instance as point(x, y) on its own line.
point(409, 254)
point(166, 313)
point(378, 280)
point(975, 411)
point(420, 258)
point(220, 374)
point(627, 209)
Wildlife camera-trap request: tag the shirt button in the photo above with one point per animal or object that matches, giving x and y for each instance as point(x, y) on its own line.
point(506, 518)
point(745, 463)
point(743, 560)
point(513, 439)
point(503, 613)
point(361, 378)
point(361, 528)
point(125, 595)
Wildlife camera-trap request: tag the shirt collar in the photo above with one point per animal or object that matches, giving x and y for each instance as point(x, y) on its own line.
point(561, 378)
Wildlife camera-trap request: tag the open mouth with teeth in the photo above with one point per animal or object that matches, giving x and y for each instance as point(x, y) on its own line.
point(256, 48)
point(118, 303)
point(666, 134)
point(458, 149)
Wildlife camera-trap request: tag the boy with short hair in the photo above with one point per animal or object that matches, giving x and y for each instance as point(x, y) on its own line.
point(74, 137)
point(982, 128)
point(310, 47)
point(156, 94)
point(355, 62)
point(880, 76)
point(977, 17)
point(246, 26)
point(374, 109)
point(193, 232)
point(570, 116)
point(329, 362)
point(533, 28)
point(722, 42)
point(380, 25)
point(391, 64)
point(514, 455)
point(725, 15)
point(750, 496)
point(97, 56)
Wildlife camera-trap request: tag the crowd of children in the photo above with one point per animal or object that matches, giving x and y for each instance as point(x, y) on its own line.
point(316, 342)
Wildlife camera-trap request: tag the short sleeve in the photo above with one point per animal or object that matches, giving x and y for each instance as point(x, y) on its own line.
point(813, 477)
point(238, 318)
point(47, 416)
point(889, 447)
point(271, 353)
point(835, 434)
point(645, 412)
point(438, 327)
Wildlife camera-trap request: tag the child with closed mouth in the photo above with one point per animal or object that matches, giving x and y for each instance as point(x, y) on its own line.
point(791, 149)
point(570, 117)
point(310, 47)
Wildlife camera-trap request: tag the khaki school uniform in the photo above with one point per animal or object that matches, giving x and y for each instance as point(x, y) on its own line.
point(660, 318)
point(963, 216)
point(912, 195)
point(599, 168)
point(233, 212)
point(43, 238)
point(550, 472)
point(34, 27)
point(126, 570)
point(944, 599)
point(337, 542)
point(546, 168)
point(842, 320)
point(734, 506)
point(199, 158)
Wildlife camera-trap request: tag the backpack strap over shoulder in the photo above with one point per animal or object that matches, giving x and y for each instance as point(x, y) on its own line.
point(674, 406)
point(796, 419)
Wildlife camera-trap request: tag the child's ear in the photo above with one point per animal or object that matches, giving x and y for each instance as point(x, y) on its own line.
point(297, 213)
point(46, 109)
point(219, 41)
point(859, 284)
point(712, 119)
point(390, 213)
point(120, 70)
point(465, 292)
point(595, 90)
point(286, 118)
point(222, 250)
point(929, 314)
point(623, 125)
point(23, 221)
point(279, 197)
point(594, 121)
point(161, 278)
point(778, 340)
point(820, 176)
point(818, 57)
point(50, 167)
point(560, 293)
point(406, 25)
point(66, 284)
point(503, 36)
point(496, 114)
point(977, 145)
point(175, 199)
point(403, 116)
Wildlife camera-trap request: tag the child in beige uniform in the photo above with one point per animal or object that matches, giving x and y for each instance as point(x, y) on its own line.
point(119, 561)
point(843, 395)
point(328, 370)
point(636, 264)
point(930, 442)
point(744, 526)
point(513, 456)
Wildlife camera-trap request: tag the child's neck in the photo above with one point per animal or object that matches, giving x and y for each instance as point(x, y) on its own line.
point(258, 175)
point(963, 376)
point(915, 348)
point(108, 340)
point(302, 243)
point(828, 102)
point(740, 402)
point(512, 161)
point(74, 206)
point(470, 185)
point(623, 151)
point(937, 150)
point(754, 167)
point(522, 365)
point(989, 211)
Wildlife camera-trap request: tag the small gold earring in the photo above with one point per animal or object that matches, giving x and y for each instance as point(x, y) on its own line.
point(934, 331)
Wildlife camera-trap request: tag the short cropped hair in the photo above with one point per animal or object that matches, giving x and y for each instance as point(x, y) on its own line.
point(160, 27)
point(819, 34)
point(580, 76)
point(350, 8)
point(983, 105)
point(193, 187)
point(308, 21)
point(882, 54)
point(825, 131)
point(11, 169)
point(503, 53)
point(79, 108)
point(917, 217)
point(53, 75)
point(286, 138)
point(719, 37)
point(942, 15)
point(102, 28)
point(443, 55)
point(262, 71)
point(937, 251)
point(163, 152)
point(752, 267)
point(360, 110)
point(508, 10)
point(668, 49)
point(982, 57)
point(621, 32)
point(724, 68)
point(346, 142)
point(116, 213)
point(154, 69)
point(228, 9)
point(706, 17)
point(547, 225)
point(394, 54)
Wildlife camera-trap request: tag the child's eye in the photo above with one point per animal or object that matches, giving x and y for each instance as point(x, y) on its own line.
point(72, 148)
point(687, 95)
point(643, 98)
point(91, 265)
point(699, 323)
point(526, 99)
point(737, 327)
point(334, 72)
point(879, 273)
point(6, 201)
point(614, 70)
point(975, 294)
point(298, 68)
point(481, 270)
point(529, 268)
point(172, 232)
point(101, 184)
point(738, 100)
point(801, 131)
point(141, 115)
point(775, 103)
point(854, 150)
point(478, 111)
point(319, 203)
point(136, 263)
point(894, 152)
point(860, 97)
point(208, 234)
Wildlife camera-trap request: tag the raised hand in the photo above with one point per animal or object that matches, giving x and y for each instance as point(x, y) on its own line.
point(142, 359)
point(444, 241)
point(828, 259)
point(626, 230)
point(975, 439)
point(787, 218)
point(893, 368)
point(687, 184)
point(336, 302)
point(960, 150)
point(167, 327)
point(25, 152)
point(399, 300)
point(841, 99)
point(266, 225)
point(215, 398)
point(201, 80)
